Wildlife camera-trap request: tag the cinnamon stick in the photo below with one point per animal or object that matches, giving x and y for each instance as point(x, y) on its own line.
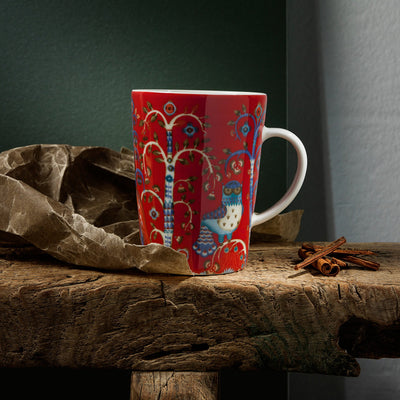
point(362, 263)
point(324, 265)
point(327, 267)
point(340, 263)
point(349, 255)
point(320, 253)
point(315, 247)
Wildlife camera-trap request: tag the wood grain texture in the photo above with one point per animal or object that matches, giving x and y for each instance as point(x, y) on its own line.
point(266, 316)
point(170, 385)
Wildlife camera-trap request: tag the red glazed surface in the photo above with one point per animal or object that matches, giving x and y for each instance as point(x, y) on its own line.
point(197, 160)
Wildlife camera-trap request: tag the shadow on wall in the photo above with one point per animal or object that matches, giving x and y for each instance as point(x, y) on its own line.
point(307, 118)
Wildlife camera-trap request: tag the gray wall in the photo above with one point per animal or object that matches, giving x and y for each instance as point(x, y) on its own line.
point(344, 101)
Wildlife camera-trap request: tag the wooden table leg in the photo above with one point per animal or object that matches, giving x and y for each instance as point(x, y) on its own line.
point(170, 385)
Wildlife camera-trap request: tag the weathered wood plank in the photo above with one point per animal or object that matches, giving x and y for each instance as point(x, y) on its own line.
point(170, 385)
point(266, 316)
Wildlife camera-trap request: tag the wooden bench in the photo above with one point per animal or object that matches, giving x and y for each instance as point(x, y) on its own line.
point(176, 333)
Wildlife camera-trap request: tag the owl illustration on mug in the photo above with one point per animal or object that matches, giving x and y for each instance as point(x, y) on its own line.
point(223, 221)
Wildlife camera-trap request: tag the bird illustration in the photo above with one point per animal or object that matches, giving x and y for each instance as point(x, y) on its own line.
point(223, 221)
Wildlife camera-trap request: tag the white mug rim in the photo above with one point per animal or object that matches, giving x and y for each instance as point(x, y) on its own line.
point(199, 92)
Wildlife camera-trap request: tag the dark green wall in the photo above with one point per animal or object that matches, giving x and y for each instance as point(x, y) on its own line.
point(67, 67)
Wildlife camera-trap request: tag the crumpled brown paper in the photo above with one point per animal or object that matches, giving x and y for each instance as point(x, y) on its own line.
point(78, 204)
point(282, 228)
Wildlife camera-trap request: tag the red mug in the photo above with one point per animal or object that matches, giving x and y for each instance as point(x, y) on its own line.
point(197, 157)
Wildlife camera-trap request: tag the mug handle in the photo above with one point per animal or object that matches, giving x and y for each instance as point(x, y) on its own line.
point(259, 218)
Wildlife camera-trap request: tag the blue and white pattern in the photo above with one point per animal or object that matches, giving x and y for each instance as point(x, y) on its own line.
point(190, 129)
point(154, 213)
point(223, 221)
point(245, 129)
point(169, 198)
point(252, 151)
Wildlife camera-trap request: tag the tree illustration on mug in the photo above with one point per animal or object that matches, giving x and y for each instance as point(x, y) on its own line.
point(242, 126)
point(169, 143)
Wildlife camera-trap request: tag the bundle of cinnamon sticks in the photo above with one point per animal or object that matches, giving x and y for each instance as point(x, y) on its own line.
point(329, 259)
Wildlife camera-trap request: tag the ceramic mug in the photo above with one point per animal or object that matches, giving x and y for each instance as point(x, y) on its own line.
point(197, 157)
